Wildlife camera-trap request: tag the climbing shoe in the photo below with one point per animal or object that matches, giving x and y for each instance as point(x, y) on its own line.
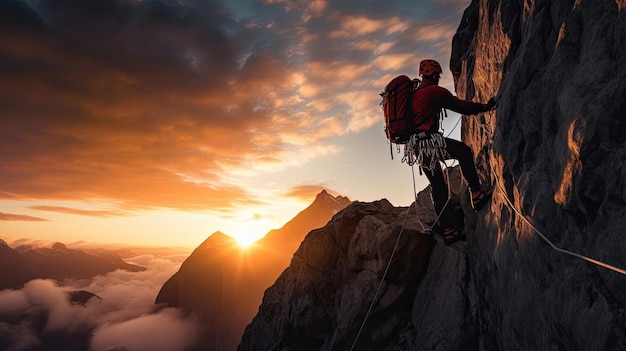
point(451, 235)
point(480, 199)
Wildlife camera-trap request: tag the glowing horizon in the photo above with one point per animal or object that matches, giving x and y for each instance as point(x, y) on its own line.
point(183, 119)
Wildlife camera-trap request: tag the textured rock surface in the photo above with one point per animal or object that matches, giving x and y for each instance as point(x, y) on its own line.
point(558, 151)
point(555, 147)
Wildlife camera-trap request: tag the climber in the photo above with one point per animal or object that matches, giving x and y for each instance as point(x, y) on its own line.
point(428, 101)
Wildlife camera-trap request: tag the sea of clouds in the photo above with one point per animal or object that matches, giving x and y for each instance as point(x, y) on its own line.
point(40, 316)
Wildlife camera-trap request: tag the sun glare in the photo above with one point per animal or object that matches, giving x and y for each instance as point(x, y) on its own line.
point(245, 241)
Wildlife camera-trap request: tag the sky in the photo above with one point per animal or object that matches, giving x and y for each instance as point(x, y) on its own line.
point(159, 122)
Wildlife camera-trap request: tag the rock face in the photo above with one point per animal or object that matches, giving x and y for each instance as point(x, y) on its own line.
point(320, 301)
point(224, 284)
point(554, 150)
point(557, 150)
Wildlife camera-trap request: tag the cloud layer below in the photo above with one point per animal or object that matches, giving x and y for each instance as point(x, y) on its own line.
point(123, 318)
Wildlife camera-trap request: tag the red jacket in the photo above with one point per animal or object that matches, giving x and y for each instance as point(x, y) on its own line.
point(430, 98)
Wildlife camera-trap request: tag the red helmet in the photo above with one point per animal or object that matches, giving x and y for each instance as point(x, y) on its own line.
point(429, 67)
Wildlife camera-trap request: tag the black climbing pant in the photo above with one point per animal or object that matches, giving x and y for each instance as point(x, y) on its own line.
point(439, 189)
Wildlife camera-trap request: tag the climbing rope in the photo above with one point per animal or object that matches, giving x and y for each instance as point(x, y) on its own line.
point(541, 235)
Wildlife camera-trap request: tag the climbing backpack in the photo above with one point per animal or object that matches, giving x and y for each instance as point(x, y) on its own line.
point(397, 109)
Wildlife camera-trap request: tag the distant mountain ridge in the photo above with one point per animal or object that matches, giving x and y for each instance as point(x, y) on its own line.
point(224, 284)
point(26, 262)
point(321, 210)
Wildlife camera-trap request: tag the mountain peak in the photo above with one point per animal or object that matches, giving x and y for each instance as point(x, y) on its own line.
point(59, 246)
point(323, 195)
point(217, 240)
point(218, 234)
point(334, 203)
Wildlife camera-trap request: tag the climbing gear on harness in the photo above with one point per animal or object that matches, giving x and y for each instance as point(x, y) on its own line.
point(480, 198)
point(425, 150)
point(428, 67)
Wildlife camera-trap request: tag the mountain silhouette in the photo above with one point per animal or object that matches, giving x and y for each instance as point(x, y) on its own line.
point(224, 284)
point(26, 262)
point(15, 270)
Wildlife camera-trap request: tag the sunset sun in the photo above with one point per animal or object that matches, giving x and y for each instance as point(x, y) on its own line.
point(245, 241)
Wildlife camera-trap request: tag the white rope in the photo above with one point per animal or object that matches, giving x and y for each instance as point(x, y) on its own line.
point(541, 235)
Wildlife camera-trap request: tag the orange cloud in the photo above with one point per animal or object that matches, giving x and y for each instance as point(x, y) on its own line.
point(382, 47)
point(149, 132)
point(81, 212)
point(318, 6)
point(16, 217)
point(432, 31)
point(394, 62)
point(308, 7)
point(351, 26)
point(167, 105)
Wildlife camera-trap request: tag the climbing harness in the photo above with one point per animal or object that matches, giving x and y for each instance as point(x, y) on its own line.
point(541, 235)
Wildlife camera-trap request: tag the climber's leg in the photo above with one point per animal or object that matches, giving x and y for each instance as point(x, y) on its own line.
point(464, 154)
point(439, 195)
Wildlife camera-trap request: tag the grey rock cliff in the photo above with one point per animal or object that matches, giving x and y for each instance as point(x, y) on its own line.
point(555, 148)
